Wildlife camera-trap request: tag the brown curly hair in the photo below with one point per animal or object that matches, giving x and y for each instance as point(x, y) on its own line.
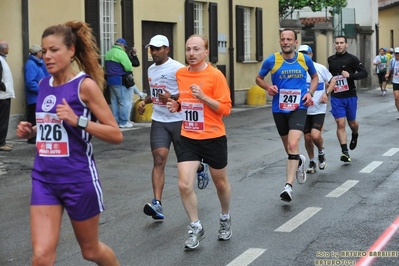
point(87, 54)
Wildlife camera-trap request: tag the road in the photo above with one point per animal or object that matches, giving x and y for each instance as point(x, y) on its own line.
point(337, 214)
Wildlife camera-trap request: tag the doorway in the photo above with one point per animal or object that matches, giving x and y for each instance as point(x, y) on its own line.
point(149, 29)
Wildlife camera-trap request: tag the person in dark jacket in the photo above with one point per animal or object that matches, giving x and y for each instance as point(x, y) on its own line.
point(34, 71)
point(346, 68)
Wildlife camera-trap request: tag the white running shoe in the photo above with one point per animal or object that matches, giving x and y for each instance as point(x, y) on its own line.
point(300, 172)
point(127, 125)
point(286, 195)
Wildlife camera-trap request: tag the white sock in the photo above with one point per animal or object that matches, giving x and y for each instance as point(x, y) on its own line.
point(197, 224)
point(224, 216)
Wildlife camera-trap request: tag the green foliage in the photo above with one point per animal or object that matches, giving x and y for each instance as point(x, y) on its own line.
point(287, 7)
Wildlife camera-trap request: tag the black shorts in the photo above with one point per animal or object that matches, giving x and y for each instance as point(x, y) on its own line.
point(395, 86)
point(314, 121)
point(163, 134)
point(381, 77)
point(212, 151)
point(289, 121)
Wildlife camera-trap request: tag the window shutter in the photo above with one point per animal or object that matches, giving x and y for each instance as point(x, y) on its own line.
point(92, 17)
point(259, 34)
point(240, 33)
point(213, 32)
point(189, 18)
point(127, 22)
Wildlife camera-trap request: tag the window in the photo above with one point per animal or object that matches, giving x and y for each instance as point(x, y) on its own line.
point(198, 18)
point(107, 26)
point(249, 34)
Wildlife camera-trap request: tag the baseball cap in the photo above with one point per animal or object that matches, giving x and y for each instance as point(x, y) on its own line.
point(158, 41)
point(121, 41)
point(396, 50)
point(305, 48)
point(34, 48)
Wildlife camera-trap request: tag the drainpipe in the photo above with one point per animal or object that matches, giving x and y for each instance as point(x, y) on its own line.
point(25, 30)
point(231, 53)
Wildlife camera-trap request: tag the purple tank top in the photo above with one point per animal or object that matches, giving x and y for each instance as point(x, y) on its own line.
point(64, 153)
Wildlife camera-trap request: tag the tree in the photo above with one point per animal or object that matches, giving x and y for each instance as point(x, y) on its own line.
point(287, 7)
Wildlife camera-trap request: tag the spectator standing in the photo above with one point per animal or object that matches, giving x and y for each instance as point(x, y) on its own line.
point(117, 64)
point(291, 99)
point(136, 63)
point(6, 94)
point(64, 174)
point(204, 100)
point(316, 113)
point(346, 68)
point(381, 62)
point(34, 71)
point(393, 70)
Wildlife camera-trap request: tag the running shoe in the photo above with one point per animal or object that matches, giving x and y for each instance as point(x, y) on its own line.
point(154, 209)
point(225, 230)
point(286, 195)
point(300, 172)
point(345, 157)
point(195, 235)
point(322, 161)
point(127, 125)
point(353, 143)
point(311, 168)
point(203, 177)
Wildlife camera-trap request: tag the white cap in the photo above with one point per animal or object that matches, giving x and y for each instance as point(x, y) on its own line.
point(305, 48)
point(34, 49)
point(396, 50)
point(158, 41)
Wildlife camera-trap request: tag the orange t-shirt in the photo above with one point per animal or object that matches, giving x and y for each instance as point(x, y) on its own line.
point(199, 120)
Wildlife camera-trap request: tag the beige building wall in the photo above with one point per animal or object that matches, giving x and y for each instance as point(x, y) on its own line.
point(246, 72)
point(10, 14)
point(389, 20)
point(44, 13)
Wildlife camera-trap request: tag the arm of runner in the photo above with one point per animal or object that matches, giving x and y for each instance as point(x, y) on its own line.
point(271, 89)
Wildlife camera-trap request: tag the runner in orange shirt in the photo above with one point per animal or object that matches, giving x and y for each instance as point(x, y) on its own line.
point(204, 100)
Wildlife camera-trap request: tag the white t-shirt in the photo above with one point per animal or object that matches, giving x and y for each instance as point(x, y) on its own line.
point(394, 68)
point(162, 77)
point(382, 63)
point(324, 76)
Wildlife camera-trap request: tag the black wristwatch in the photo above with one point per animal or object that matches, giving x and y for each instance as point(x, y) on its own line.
point(83, 122)
point(174, 97)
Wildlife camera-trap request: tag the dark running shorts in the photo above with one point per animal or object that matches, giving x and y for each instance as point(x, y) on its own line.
point(290, 121)
point(314, 121)
point(212, 151)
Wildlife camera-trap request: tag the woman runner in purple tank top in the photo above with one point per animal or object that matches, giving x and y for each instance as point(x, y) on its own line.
point(67, 109)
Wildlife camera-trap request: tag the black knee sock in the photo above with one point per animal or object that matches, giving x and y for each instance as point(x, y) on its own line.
point(344, 147)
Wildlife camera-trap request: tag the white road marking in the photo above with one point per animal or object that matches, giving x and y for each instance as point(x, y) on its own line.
point(391, 152)
point(247, 257)
point(298, 219)
point(342, 189)
point(369, 168)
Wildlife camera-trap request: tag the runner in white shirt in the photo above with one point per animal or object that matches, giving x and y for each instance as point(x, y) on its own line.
point(165, 126)
point(316, 113)
point(393, 68)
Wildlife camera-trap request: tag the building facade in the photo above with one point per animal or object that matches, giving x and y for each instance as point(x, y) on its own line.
point(241, 33)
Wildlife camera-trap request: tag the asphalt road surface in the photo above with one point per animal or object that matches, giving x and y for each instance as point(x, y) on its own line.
point(334, 217)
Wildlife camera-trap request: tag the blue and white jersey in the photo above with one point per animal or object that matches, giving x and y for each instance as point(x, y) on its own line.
point(289, 75)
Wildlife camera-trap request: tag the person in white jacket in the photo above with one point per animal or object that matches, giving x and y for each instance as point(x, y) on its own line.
point(6, 94)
